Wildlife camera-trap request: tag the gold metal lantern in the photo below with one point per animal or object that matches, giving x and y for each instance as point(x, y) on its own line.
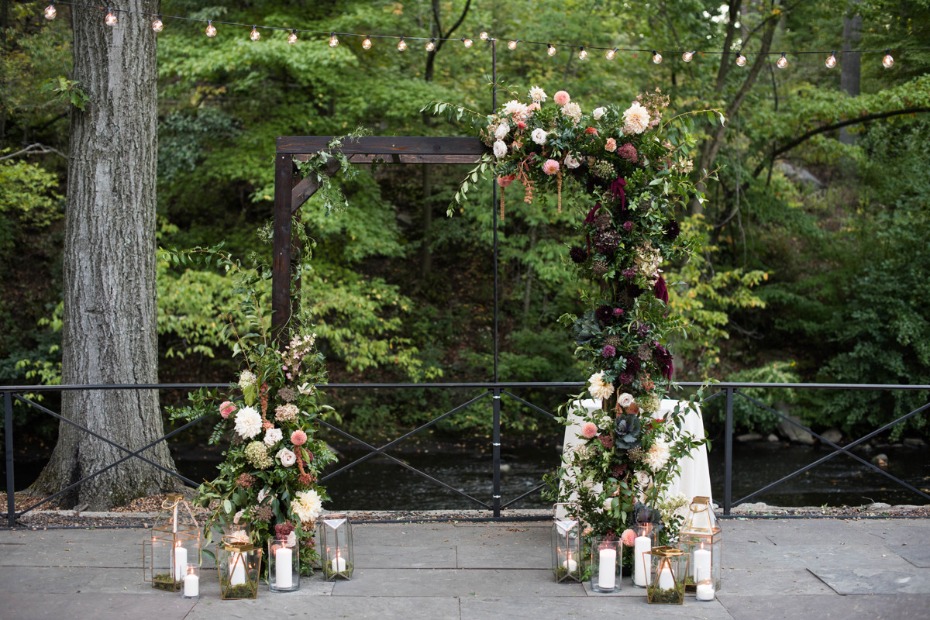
point(669, 565)
point(173, 544)
point(701, 539)
point(239, 564)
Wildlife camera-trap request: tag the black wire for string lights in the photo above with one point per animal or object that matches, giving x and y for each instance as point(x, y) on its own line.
point(552, 47)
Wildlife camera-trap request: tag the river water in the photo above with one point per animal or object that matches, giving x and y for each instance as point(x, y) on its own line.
point(379, 484)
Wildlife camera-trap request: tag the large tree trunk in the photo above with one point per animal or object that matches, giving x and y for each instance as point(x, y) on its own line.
point(109, 332)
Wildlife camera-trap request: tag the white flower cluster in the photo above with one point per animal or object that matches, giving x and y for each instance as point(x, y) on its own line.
point(537, 94)
point(273, 436)
point(307, 506)
point(635, 119)
point(657, 457)
point(600, 389)
point(248, 422)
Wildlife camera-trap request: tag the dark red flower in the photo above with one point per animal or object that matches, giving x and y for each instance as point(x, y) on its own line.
point(661, 290)
point(664, 360)
point(578, 254)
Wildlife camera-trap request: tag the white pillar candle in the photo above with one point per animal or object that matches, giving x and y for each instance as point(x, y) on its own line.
point(338, 564)
point(705, 592)
point(237, 566)
point(666, 580)
point(180, 563)
point(607, 569)
point(191, 585)
point(283, 576)
point(642, 544)
point(701, 564)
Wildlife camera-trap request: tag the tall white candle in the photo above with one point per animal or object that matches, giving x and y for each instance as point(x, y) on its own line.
point(666, 580)
point(701, 564)
point(607, 569)
point(237, 565)
point(642, 544)
point(283, 576)
point(180, 563)
point(338, 564)
point(191, 585)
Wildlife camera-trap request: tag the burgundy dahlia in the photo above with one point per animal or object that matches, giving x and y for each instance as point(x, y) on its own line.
point(664, 360)
point(608, 351)
point(628, 152)
point(672, 230)
point(604, 315)
point(578, 254)
point(661, 290)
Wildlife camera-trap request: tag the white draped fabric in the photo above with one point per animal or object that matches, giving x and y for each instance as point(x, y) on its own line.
point(694, 479)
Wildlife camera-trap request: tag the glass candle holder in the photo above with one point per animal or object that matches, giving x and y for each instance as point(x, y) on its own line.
point(605, 563)
point(566, 550)
point(669, 566)
point(283, 564)
point(191, 587)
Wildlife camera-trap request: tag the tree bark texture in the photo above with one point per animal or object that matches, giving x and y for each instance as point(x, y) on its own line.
point(109, 333)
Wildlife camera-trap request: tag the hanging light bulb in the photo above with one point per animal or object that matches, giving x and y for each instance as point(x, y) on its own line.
point(157, 24)
point(292, 38)
point(740, 60)
point(830, 62)
point(110, 19)
point(467, 42)
point(687, 56)
point(611, 54)
point(782, 62)
point(582, 53)
point(402, 45)
point(366, 43)
point(211, 29)
point(512, 44)
point(551, 49)
point(656, 57)
point(333, 39)
point(887, 60)
point(431, 45)
point(255, 35)
point(50, 11)
point(483, 36)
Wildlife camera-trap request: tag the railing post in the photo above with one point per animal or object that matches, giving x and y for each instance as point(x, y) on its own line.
point(496, 453)
point(8, 448)
point(728, 454)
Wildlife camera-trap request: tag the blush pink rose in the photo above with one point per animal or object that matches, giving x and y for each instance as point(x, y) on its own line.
point(561, 98)
point(298, 437)
point(226, 408)
point(611, 145)
point(589, 430)
point(550, 166)
point(628, 538)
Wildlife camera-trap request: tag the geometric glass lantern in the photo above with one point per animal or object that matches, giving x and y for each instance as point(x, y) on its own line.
point(336, 544)
point(669, 565)
point(566, 550)
point(238, 563)
point(701, 539)
point(173, 544)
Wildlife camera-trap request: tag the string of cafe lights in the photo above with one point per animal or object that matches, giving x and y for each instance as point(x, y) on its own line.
point(111, 15)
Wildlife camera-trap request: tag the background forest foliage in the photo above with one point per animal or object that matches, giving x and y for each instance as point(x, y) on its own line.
point(814, 255)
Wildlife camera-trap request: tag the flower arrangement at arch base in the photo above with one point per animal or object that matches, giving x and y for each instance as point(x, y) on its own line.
point(634, 169)
point(267, 485)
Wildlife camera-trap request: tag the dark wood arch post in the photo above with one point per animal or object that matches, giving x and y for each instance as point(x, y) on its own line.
point(290, 192)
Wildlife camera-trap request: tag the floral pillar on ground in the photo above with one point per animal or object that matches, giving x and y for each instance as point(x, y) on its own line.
point(267, 484)
point(631, 166)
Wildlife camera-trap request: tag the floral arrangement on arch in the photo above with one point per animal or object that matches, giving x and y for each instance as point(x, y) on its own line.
point(267, 484)
point(634, 168)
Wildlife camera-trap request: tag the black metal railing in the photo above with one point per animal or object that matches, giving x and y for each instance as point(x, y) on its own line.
point(496, 392)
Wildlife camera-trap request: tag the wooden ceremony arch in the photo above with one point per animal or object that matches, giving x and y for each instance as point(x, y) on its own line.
point(290, 192)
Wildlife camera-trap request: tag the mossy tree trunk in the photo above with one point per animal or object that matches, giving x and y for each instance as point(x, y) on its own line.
point(109, 333)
